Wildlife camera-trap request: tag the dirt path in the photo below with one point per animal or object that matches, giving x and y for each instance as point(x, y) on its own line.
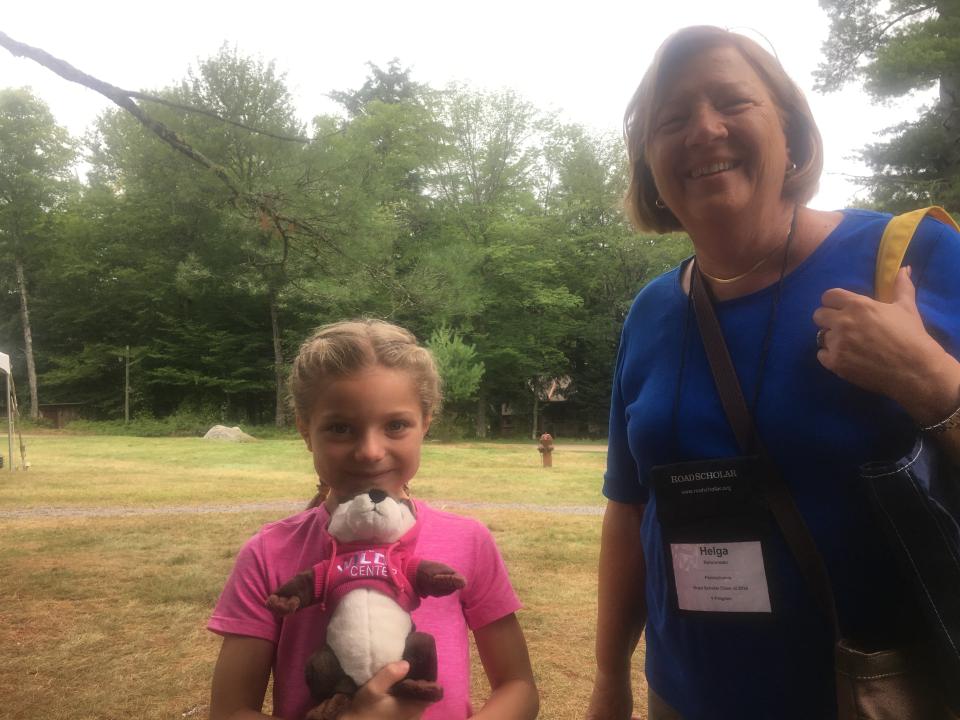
point(281, 506)
point(532, 445)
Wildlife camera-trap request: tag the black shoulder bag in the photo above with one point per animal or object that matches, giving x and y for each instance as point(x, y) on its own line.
point(885, 685)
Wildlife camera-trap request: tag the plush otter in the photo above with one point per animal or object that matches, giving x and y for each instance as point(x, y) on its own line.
point(368, 587)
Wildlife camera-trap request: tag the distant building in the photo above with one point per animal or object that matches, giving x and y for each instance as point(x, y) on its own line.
point(60, 413)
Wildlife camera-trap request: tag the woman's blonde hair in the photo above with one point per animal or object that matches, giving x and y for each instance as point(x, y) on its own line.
point(803, 136)
point(343, 348)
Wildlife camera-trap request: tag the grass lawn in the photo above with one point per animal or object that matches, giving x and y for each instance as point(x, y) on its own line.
point(103, 616)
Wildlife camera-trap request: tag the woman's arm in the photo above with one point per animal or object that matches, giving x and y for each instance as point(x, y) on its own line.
point(503, 652)
point(621, 611)
point(885, 348)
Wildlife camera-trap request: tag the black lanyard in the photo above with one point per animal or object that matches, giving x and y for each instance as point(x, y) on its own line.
point(764, 346)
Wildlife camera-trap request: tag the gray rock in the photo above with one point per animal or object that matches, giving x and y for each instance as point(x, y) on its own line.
point(222, 432)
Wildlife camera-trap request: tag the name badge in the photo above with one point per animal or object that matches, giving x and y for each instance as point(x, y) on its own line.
point(714, 523)
point(720, 577)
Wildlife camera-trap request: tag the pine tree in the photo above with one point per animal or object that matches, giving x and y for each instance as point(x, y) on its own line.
point(895, 48)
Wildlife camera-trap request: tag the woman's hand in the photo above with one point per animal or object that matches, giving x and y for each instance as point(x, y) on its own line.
point(885, 348)
point(373, 701)
point(621, 610)
point(612, 699)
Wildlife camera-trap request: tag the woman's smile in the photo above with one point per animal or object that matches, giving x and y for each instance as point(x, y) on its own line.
point(712, 168)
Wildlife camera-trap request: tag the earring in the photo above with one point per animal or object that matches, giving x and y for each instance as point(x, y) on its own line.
point(791, 168)
point(660, 203)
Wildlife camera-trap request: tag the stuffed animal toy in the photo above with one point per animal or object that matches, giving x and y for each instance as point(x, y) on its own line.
point(367, 588)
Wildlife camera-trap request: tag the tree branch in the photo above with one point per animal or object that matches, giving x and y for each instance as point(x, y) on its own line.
point(119, 97)
point(215, 116)
point(261, 205)
point(844, 62)
point(886, 179)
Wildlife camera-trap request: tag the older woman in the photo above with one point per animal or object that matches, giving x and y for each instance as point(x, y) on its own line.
point(722, 145)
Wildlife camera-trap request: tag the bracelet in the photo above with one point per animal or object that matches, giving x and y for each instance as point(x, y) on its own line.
point(948, 423)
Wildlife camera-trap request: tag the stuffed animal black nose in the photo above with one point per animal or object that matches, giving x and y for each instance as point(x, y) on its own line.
point(377, 495)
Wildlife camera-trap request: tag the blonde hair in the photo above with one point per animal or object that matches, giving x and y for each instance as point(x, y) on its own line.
point(803, 136)
point(344, 348)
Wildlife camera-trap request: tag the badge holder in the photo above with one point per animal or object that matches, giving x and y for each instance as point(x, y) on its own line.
point(715, 526)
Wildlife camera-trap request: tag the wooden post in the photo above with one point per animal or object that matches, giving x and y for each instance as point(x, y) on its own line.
point(545, 448)
point(126, 386)
point(9, 428)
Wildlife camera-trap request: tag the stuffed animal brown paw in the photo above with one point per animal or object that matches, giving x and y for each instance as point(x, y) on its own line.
point(368, 587)
point(330, 709)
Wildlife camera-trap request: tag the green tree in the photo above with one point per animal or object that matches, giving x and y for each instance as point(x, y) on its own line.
point(392, 86)
point(252, 93)
point(512, 302)
point(461, 373)
point(896, 48)
point(395, 135)
point(119, 275)
point(603, 261)
point(343, 210)
point(36, 158)
point(175, 258)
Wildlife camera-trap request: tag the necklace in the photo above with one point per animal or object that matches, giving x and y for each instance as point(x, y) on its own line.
point(741, 276)
point(764, 344)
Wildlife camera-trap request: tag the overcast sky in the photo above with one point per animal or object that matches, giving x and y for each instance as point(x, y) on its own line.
point(582, 59)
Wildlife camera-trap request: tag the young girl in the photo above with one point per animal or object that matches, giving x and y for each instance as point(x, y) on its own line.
point(364, 394)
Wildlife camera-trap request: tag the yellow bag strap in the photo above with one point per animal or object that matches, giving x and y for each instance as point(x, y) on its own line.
point(893, 246)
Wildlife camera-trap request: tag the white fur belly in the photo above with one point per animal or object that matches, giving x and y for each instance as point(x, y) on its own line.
point(367, 631)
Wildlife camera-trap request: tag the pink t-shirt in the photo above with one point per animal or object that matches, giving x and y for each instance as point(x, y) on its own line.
point(283, 548)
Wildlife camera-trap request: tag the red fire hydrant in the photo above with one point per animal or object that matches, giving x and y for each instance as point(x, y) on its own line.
point(545, 448)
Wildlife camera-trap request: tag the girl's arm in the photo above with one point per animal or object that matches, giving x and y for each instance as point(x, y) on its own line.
point(240, 678)
point(621, 611)
point(243, 669)
point(503, 652)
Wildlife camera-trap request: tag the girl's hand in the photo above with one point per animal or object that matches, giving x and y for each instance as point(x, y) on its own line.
point(884, 348)
point(373, 701)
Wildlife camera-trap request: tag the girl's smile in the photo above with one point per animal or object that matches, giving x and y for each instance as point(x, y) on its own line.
point(365, 431)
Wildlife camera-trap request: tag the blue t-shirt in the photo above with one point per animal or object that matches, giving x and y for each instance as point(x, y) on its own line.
point(818, 428)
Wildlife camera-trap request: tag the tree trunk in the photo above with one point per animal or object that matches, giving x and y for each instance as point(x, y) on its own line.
point(950, 78)
point(27, 341)
point(481, 426)
point(536, 413)
point(280, 416)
